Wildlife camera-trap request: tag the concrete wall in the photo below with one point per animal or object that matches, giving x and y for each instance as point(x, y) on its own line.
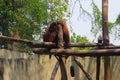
point(21, 66)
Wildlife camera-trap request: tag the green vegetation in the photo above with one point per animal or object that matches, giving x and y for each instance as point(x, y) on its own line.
point(97, 22)
point(78, 38)
point(27, 19)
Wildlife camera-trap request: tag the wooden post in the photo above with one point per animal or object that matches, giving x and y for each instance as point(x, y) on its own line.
point(1, 70)
point(98, 60)
point(98, 68)
point(105, 37)
point(61, 58)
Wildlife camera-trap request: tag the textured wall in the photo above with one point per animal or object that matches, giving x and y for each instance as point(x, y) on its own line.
point(21, 66)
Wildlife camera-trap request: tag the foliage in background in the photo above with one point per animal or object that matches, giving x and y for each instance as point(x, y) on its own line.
point(77, 38)
point(96, 18)
point(97, 22)
point(29, 17)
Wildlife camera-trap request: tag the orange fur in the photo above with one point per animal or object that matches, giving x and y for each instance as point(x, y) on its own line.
point(52, 36)
point(49, 37)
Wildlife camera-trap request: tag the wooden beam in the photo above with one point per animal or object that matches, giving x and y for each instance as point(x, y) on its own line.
point(1, 70)
point(55, 71)
point(105, 37)
point(29, 43)
point(105, 22)
point(98, 68)
point(81, 53)
point(81, 67)
point(80, 44)
point(98, 60)
point(33, 44)
point(46, 44)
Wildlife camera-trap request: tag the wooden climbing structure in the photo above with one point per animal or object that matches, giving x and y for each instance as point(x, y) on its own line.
point(102, 48)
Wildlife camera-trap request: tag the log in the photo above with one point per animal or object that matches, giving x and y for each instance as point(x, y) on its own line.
point(53, 45)
point(81, 53)
point(80, 44)
point(29, 43)
point(98, 68)
point(55, 71)
point(81, 67)
point(98, 60)
point(46, 44)
point(105, 38)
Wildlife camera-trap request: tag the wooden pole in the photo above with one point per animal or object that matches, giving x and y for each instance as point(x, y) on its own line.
point(98, 60)
point(81, 53)
point(53, 45)
point(1, 70)
point(105, 37)
point(98, 68)
point(81, 67)
point(46, 44)
point(29, 43)
point(54, 71)
point(105, 22)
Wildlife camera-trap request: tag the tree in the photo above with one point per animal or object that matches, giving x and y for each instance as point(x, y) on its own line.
point(97, 22)
point(29, 18)
point(96, 18)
